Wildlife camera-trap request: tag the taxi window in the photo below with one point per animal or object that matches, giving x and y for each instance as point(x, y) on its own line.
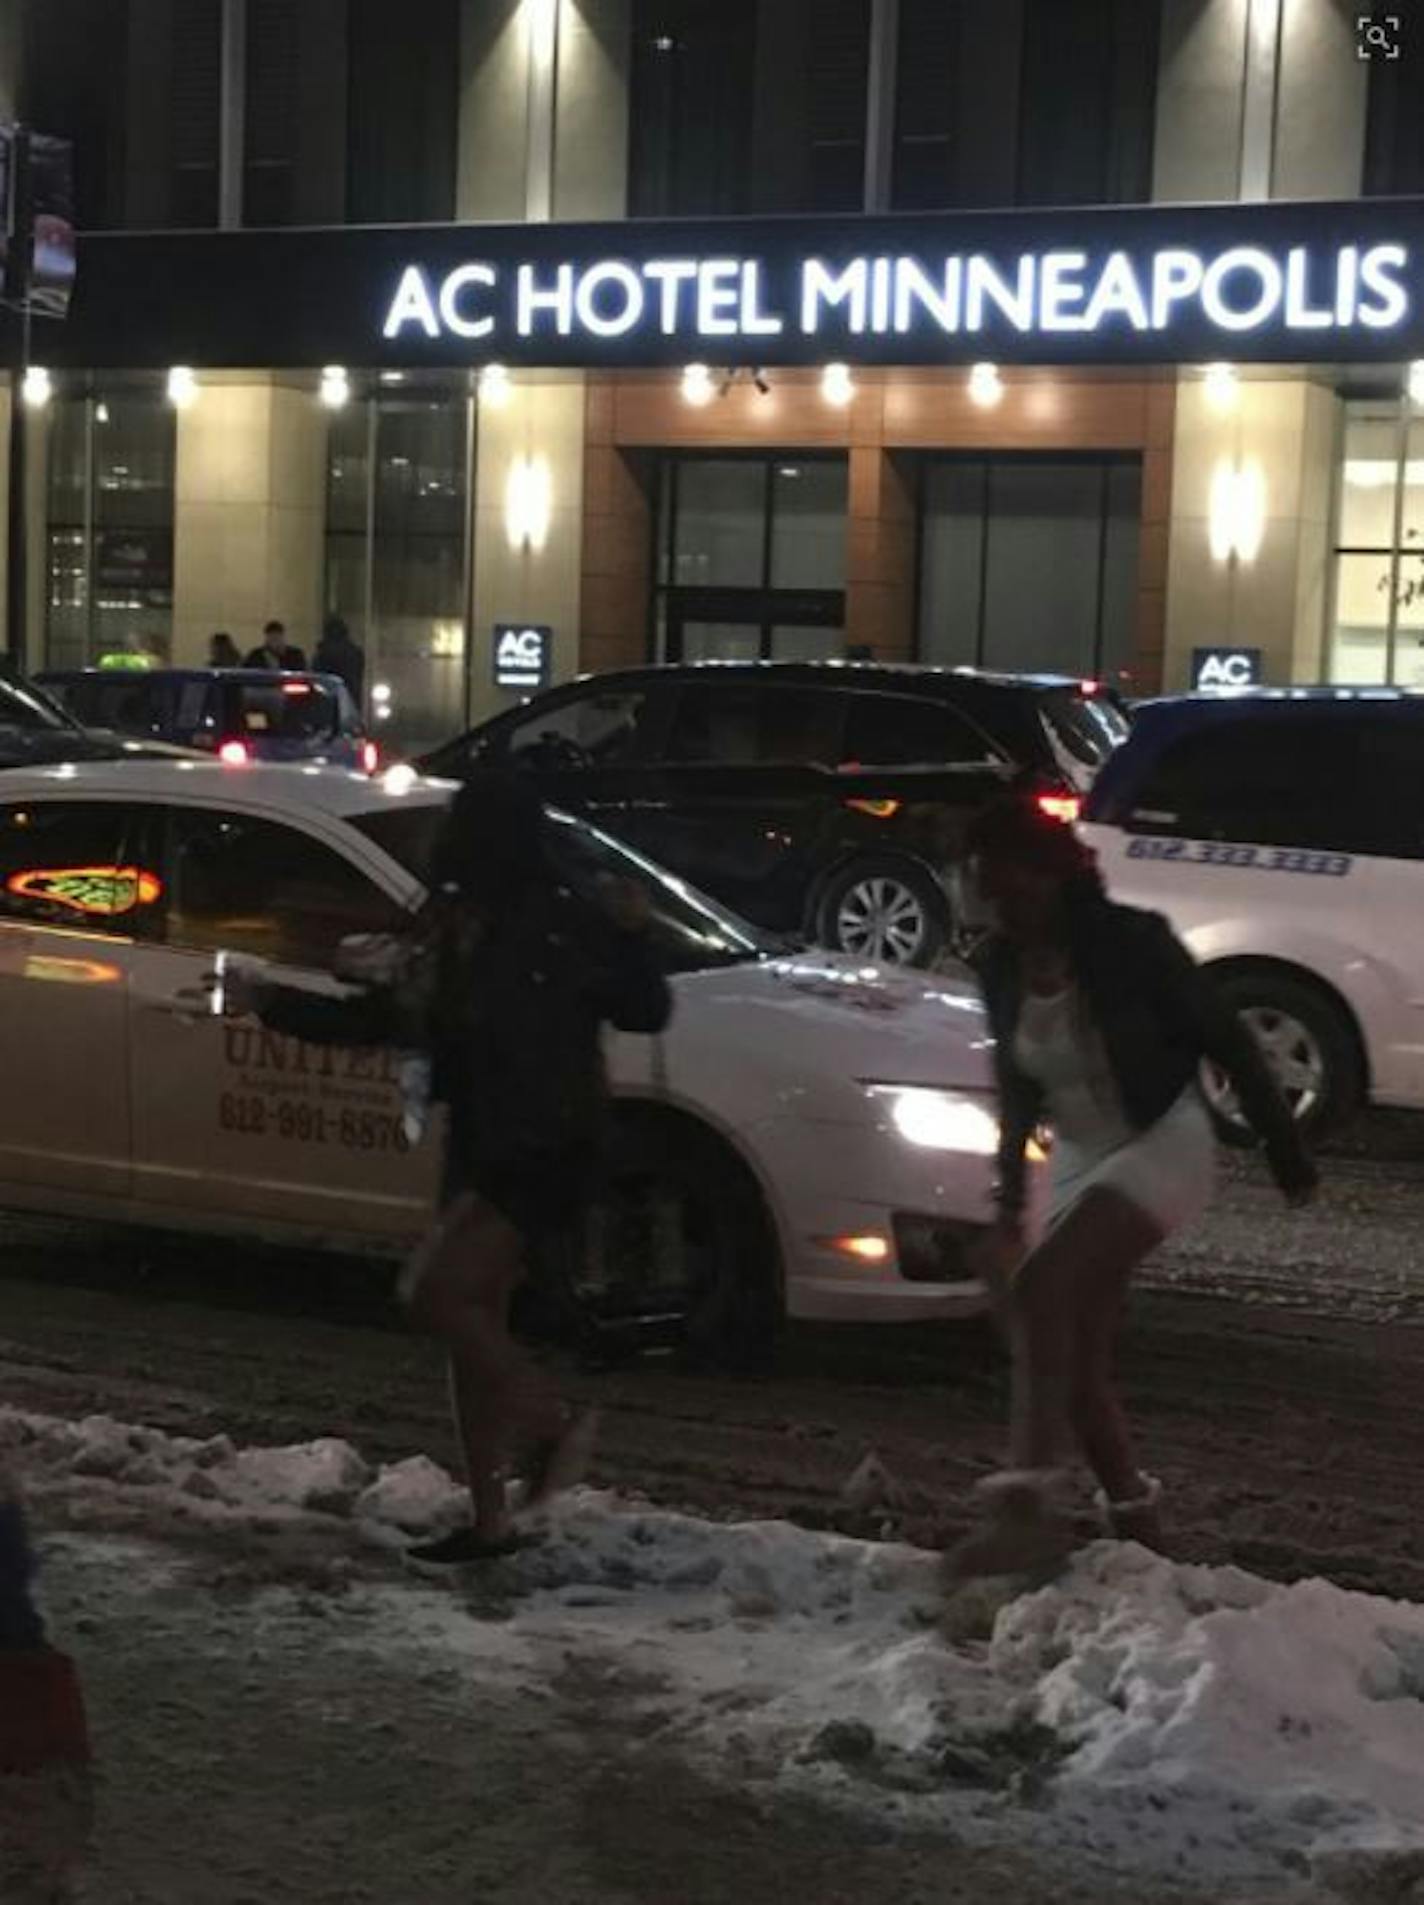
point(243, 885)
point(285, 708)
point(64, 863)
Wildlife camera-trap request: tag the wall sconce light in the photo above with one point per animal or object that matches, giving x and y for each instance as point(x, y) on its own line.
point(837, 385)
point(1415, 382)
point(495, 386)
point(37, 387)
point(335, 388)
point(528, 502)
point(1221, 387)
point(697, 385)
point(986, 386)
point(542, 17)
point(182, 386)
point(1236, 510)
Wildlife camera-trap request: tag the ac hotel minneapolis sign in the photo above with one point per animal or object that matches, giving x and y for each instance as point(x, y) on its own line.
point(1270, 282)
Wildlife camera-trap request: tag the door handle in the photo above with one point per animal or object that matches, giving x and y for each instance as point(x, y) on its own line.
point(189, 1003)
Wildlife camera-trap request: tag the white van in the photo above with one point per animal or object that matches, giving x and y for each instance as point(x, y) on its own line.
point(1282, 833)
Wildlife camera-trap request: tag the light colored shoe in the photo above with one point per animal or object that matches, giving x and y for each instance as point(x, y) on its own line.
point(1139, 1518)
point(1025, 1532)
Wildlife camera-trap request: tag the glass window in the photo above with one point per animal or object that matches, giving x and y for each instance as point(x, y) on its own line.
point(595, 730)
point(110, 527)
point(1303, 782)
point(992, 532)
point(402, 595)
point(1378, 625)
point(62, 863)
point(720, 536)
point(1047, 103)
point(280, 710)
point(692, 88)
point(898, 731)
point(1394, 126)
point(741, 724)
point(255, 886)
point(403, 79)
point(806, 644)
point(195, 28)
point(808, 524)
point(126, 702)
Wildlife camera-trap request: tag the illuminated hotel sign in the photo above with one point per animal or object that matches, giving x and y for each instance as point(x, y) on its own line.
point(1150, 284)
point(703, 303)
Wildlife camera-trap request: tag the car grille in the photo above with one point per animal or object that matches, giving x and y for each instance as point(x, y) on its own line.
point(935, 1250)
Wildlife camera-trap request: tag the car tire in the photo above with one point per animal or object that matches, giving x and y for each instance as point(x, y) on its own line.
point(680, 1247)
point(884, 908)
point(1309, 1042)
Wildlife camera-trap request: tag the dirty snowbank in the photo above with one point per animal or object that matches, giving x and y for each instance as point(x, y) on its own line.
point(1193, 1723)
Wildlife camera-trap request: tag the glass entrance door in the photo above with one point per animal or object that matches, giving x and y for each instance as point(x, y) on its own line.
point(752, 558)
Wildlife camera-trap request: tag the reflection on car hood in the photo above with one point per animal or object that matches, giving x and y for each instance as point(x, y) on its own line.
point(823, 1014)
point(50, 747)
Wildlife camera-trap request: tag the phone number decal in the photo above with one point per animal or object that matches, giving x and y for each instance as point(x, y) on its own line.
point(250, 1116)
point(1225, 853)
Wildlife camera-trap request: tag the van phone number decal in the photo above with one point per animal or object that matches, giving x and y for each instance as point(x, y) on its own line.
point(1227, 853)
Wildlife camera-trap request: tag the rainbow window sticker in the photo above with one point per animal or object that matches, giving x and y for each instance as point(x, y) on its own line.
point(88, 891)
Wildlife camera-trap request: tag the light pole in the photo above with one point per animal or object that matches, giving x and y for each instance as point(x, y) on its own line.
point(19, 265)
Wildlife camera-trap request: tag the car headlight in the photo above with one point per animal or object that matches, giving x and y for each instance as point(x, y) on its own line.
point(940, 1120)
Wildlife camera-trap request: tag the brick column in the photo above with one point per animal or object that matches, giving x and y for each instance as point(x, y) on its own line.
point(880, 553)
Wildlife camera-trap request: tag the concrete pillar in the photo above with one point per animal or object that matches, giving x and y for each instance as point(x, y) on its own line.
point(249, 513)
point(521, 576)
point(11, 53)
point(534, 143)
point(1281, 433)
point(1259, 98)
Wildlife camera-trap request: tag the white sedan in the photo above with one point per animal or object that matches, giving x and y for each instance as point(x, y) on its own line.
point(818, 1133)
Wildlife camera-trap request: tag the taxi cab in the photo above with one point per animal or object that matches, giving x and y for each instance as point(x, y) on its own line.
point(1282, 833)
point(817, 1130)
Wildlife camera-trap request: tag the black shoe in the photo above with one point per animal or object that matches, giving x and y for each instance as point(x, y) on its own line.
point(464, 1547)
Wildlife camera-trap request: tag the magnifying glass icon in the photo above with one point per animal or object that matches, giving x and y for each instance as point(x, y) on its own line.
point(1375, 35)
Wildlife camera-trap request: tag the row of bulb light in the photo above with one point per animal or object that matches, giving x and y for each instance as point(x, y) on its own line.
point(700, 384)
point(334, 389)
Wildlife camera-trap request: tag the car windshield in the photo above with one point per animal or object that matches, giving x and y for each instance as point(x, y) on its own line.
point(22, 705)
point(693, 932)
point(1089, 727)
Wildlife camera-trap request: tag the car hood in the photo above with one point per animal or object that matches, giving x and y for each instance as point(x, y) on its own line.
point(822, 1014)
point(47, 747)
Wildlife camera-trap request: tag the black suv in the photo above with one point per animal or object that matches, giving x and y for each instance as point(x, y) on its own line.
point(821, 799)
point(36, 731)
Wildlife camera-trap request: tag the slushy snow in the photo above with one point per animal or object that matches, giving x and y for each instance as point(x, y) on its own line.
point(1192, 1723)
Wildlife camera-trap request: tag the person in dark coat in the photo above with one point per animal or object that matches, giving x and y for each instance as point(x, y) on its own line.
point(223, 651)
point(505, 989)
point(339, 653)
point(1101, 1022)
point(275, 652)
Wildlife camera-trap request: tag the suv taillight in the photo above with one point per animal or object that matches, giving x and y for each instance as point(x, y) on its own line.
point(1064, 807)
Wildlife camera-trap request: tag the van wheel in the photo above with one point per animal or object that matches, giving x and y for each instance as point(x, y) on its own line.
point(1309, 1044)
point(889, 910)
point(681, 1242)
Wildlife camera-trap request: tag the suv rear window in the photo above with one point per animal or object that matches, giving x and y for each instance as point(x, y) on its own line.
point(1327, 778)
point(1088, 726)
point(281, 710)
point(901, 731)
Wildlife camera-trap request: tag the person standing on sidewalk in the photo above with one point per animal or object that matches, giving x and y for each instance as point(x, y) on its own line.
point(1101, 1023)
point(504, 989)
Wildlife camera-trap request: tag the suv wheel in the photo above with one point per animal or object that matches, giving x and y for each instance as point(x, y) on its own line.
point(1309, 1044)
point(885, 909)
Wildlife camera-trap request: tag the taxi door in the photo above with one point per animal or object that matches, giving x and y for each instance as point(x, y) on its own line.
point(231, 1121)
point(71, 901)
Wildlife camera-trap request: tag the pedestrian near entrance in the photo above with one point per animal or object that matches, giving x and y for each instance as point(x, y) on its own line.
point(223, 651)
point(1101, 1023)
point(275, 652)
point(339, 654)
point(505, 987)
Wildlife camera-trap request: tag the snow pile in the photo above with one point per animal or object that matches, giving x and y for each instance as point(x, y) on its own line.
point(1194, 1721)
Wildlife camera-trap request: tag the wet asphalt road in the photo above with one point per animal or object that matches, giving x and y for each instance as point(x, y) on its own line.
point(1275, 1365)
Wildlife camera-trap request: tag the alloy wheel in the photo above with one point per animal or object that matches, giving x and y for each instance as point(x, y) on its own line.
point(1294, 1054)
point(881, 918)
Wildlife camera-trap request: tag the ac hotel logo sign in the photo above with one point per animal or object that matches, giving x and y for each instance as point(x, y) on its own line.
point(1313, 293)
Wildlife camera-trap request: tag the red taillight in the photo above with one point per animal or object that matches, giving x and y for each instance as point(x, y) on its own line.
point(1087, 689)
point(1064, 807)
point(370, 756)
point(296, 687)
point(235, 753)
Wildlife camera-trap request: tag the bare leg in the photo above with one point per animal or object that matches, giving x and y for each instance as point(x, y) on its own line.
point(462, 1294)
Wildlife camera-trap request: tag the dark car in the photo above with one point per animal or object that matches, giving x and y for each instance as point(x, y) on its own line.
point(824, 800)
point(238, 713)
point(36, 730)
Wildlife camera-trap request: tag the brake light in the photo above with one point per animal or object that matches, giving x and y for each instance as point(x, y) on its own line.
point(370, 756)
point(296, 688)
point(1088, 689)
point(235, 753)
point(1064, 807)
